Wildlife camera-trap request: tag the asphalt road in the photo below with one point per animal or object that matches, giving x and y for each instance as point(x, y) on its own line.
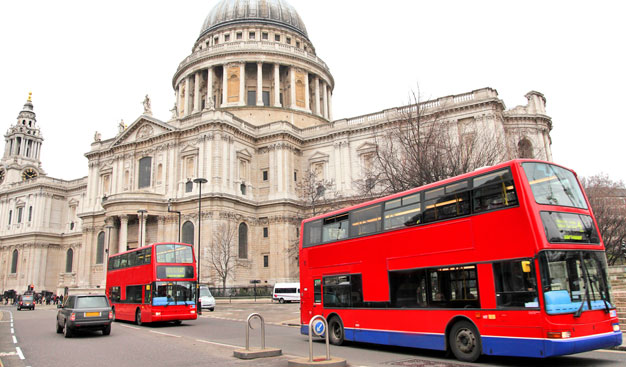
point(210, 341)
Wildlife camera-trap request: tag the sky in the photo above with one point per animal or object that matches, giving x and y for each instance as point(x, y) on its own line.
point(90, 64)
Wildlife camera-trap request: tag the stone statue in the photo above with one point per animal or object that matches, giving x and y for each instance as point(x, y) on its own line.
point(210, 105)
point(121, 127)
point(97, 137)
point(174, 112)
point(147, 108)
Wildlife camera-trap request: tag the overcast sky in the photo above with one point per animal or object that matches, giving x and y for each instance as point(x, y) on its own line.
point(90, 64)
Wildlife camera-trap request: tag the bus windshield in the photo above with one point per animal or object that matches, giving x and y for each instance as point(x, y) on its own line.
point(552, 185)
point(174, 293)
point(173, 253)
point(574, 281)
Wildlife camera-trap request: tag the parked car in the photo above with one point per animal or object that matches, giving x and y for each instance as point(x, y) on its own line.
point(84, 312)
point(286, 292)
point(206, 298)
point(26, 301)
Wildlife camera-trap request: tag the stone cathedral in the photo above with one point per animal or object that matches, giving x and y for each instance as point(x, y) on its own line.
point(252, 115)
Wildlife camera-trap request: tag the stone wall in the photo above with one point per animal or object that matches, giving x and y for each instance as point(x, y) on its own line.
point(617, 277)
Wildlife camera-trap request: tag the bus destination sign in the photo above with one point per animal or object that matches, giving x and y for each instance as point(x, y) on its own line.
point(174, 272)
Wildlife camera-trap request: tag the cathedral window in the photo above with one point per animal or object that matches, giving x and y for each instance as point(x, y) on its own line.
point(19, 214)
point(266, 232)
point(288, 40)
point(14, 262)
point(266, 261)
point(243, 188)
point(226, 37)
point(277, 37)
point(100, 249)
point(159, 174)
point(243, 241)
point(251, 35)
point(216, 40)
point(266, 98)
point(188, 231)
point(265, 35)
point(251, 98)
point(265, 175)
point(525, 148)
point(298, 44)
point(69, 259)
point(239, 35)
point(10, 215)
point(145, 168)
point(189, 186)
point(30, 213)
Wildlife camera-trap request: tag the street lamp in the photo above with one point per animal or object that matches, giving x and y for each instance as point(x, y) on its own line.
point(169, 210)
point(199, 181)
point(141, 211)
point(108, 228)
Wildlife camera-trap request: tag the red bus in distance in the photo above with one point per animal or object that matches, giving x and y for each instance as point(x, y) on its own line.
point(506, 260)
point(153, 283)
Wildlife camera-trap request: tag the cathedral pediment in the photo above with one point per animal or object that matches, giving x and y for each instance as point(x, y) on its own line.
point(144, 128)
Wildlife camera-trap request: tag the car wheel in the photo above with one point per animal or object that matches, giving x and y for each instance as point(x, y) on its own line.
point(281, 300)
point(67, 332)
point(18, 308)
point(335, 328)
point(138, 317)
point(113, 310)
point(212, 309)
point(59, 328)
point(465, 341)
point(106, 330)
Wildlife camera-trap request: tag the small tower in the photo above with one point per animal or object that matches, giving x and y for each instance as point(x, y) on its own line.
point(22, 150)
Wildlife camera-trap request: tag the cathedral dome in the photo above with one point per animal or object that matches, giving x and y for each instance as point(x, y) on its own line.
point(274, 12)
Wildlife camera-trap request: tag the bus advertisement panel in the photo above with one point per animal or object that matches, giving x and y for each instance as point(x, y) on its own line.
point(506, 260)
point(153, 283)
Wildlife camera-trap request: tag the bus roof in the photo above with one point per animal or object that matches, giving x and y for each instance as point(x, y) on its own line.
point(474, 173)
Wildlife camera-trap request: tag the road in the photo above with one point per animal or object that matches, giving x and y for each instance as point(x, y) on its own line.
point(210, 341)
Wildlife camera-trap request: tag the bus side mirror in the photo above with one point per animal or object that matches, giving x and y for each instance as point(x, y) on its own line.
point(526, 266)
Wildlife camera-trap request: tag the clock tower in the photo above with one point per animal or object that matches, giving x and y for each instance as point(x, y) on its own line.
point(20, 161)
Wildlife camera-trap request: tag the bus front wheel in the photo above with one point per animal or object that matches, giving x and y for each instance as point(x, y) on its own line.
point(465, 341)
point(138, 317)
point(335, 337)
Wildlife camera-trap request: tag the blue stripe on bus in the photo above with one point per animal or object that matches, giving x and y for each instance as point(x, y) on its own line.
point(492, 345)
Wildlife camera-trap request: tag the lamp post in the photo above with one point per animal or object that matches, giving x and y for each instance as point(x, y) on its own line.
point(199, 181)
point(169, 210)
point(108, 228)
point(141, 211)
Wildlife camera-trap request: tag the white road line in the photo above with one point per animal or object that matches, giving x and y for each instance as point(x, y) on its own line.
point(224, 345)
point(12, 331)
point(14, 340)
point(130, 327)
point(610, 351)
point(19, 352)
point(166, 334)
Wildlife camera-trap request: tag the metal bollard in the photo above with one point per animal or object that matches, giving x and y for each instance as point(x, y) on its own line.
point(311, 337)
point(248, 327)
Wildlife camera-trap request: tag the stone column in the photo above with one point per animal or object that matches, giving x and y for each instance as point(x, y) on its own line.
point(123, 243)
point(277, 85)
point(330, 104)
point(224, 85)
point(187, 97)
point(161, 235)
point(307, 104)
point(259, 84)
point(179, 99)
point(292, 87)
point(209, 88)
point(141, 235)
point(196, 94)
point(324, 100)
point(317, 95)
point(242, 84)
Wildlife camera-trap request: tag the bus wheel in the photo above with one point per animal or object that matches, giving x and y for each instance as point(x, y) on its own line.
point(335, 337)
point(138, 317)
point(465, 341)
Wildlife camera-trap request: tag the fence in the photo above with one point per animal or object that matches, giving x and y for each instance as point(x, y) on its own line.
point(264, 291)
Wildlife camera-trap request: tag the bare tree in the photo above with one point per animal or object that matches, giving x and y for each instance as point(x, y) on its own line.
point(420, 146)
point(223, 255)
point(608, 201)
point(317, 195)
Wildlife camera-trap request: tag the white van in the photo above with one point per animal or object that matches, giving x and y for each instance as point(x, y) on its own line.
point(286, 292)
point(206, 298)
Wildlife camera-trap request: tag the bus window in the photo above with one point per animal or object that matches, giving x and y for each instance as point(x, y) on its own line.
point(312, 233)
point(552, 185)
point(317, 291)
point(454, 287)
point(335, 228)
point(408, 288)
point(516, 284)
point(447, 202)
point(343, 291)
point(493, 191)
point(133, 294)
point(402, 211)
point(365, 220)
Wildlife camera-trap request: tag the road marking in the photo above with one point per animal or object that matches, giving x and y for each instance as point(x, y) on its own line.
point(166, 334)
point(12, 331)
point(130, 327)
point(19, 353)
point(14, 340)
point(222, 344)
point(610, 351)
point(8, 354)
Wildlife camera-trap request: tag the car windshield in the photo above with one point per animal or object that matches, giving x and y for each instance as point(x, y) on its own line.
point(205, 292)
point(92, 302)
point(27, 298)
point(553, 185)
point(574, 281)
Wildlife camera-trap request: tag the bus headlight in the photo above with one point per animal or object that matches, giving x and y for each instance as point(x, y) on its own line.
point(616, 327)
point(559, 334)
point(157, 313)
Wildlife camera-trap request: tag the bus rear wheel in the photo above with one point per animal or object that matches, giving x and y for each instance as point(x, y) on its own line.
point(465, 341)
point(335, 329)
point(138, 317)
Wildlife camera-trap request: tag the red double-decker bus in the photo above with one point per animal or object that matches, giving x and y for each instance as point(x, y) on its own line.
point(506, 260)
point(153, 283)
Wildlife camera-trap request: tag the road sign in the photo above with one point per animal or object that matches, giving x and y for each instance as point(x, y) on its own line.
point(319, 328)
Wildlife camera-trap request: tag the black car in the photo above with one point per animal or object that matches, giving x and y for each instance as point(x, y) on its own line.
point(84, 312)
point(26, 301)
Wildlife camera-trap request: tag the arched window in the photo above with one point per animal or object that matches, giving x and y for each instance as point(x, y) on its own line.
point(188, 230)
point(69, 259)
point(525, 148)
point(14, 262)
point(189, 186)
point(100, 249)
point(243, 241)
point(145, 170)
